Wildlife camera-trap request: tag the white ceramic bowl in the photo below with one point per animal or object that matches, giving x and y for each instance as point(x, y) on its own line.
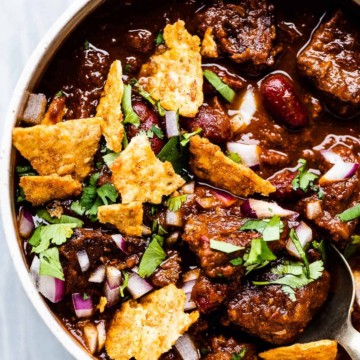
point(32, 73)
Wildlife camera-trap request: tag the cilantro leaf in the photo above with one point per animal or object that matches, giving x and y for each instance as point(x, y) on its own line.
point(236, 262)
point(110, 158)
point(59, 94)
point(50, 264)
point(352, 247)
point(225, 90)
point(152, 258)
point(234, 157)
point(20, 195)
point(321, 246)
point(350, 214)
point(89, 194)
point(304, 178)
point(174, 203)
point(107, 191)
point(159, 38)
point(92, 212)
point(36, 237)
point(25, 170)
point(124, 284)
point(157, 131)
point(257, 225)
point(271, 229)
point(239, 355)
point(125, 141)
point(130, 116)
point(187, 136)
point(299, 248)
point(224, 247)
point(259, 256)
point(77, 208)
point(161, 110)
point(64, 219)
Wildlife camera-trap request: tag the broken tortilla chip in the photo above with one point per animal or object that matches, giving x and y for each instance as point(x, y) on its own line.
point(127, 218)
point(174, 76)
point(109, 107)
point(209, 163)
point(55, 112)
point(41, 189)
point(67, 148)
point(317, 350)
point(146, 329)
point(208, 46)
point(138, 175)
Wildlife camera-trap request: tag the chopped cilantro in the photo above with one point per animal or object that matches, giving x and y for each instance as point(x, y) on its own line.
point(271, 229)
point(352, 247)
point(224, 247)
point(85, 296)
point(299, 248)
point(159, 38)
point(130, 116)
point(107, 192)
point(153, 209)
point(64, 219)
point(125, 141)
point(92, 212)
point(36, 237)
point(157, 131)
point(142, 92)
point(305, 178)
point(152, 258)
point(236, 262)
point(124, 284)
point(25, 170)
point(127, 69)
point(89, 194)
point(50, 264)
point(234, 157)
point(174, 203)
point(321, 246)
point(20, 195)
point(161, 110)
point(59, 94)
point(239, 355)
point(225, 90)
point(77, 208)
point(186, 137)
point(110, 158)
point(86, 45)
point(350, 214)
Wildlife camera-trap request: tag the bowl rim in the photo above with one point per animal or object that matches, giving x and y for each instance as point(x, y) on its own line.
point(34, 69)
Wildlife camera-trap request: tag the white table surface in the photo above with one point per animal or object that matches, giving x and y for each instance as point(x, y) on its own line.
point(23, 335)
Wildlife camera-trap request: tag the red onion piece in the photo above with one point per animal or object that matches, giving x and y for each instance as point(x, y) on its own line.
point(84, 260)
point(263, 209)
point(188, 286)
point(313, 209)
point(112, 294)
point(120, 242)
point(225, 198)
point(52, 288)
point(172, 126)
point(249, 153)
point(137, 286)
point(305, 235)
point(173, 218)
point(101, 335)
point(340, 171)
point(189, 304)
point(90, 336)
point(98, 276)
point(331, 157)
point(25, 222)
point(113, 276)
point(186, 348)
point(83, 307)
point(35, 270)
point(189, 188)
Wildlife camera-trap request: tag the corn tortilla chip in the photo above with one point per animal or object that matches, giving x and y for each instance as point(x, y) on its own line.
point(55, 112)
point(208, 46)
point(148, 328)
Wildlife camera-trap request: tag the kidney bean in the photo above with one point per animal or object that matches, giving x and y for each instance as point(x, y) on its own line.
point(147, 119)
point(282, 101)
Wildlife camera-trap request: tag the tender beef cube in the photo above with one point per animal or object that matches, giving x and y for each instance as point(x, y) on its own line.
point(268, 312)
point(245, 31)
point(228, 348)
point(207, 294)
point(148, 119)
point(214, 122)
point(101, 249)
point(332, 61)
point(169, 271)
point(202, 228)
point(140, 40)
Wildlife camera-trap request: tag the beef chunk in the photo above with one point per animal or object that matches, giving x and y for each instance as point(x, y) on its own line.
point(207, 294)
point(332, 61)
point(169, 271)
point(270, 314)
point(228, 348)
point(200, 229)
point(244, 31)
point(214, 122)
point(140, 40)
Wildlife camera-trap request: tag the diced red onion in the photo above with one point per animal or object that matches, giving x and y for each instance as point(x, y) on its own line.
point(113, 276)
point(84, 260)
point(91, 336)
point(101, 335)
point(331, 157)
point(26, 223)
point(189, 304)
point(112, 294)
point(98, 276)
point(52, 288)
point(304, 234)
point(186, 348)
point(263, 209)
point(137, 286)
point(249, 153)
point(189, 188)
point(188, 286)
point(313, 209)
point(83, 307)
point(120, 242)
point(224, 197)
point(34, 270)
point(340, 171)
point(146, 230)
point(172, 126)
point(173, 218)
point(191, 275)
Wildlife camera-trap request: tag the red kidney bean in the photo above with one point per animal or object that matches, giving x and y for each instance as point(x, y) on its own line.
point(282, 101)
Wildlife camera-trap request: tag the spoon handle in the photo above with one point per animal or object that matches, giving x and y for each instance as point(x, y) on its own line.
point(349, 338)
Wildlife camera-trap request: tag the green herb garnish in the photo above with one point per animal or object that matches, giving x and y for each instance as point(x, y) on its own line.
point(159, 38)
point(225, 90)
point(157, 131)
point(299, 248)
point(86, 45)
point(224, 246)
point(304, 178)
point(50, 264)
point(186, 137)
point(270, 229)
point(174, 203)
point(152, 258)
point(352, 247)
point(234, 157)
point(236, 262)
point(130, 116)
point(124, 284)
point(350, 214)
point(110, 158)
point(107, 193)
point(239, 355)
point(25, 170)
point(64, 219)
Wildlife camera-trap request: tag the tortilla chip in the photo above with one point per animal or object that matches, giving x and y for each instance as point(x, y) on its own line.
point(41, 189)
point(55, 112)
point(109, 107)
point(148, 328)
point(209, 163)
point(317, 350)
point(67, 148)
point(126, 217)
point(138, 175)
point(175, 76)
point(208, 46)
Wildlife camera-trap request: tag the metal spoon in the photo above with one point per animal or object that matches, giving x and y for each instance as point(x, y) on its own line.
point(334, 320)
